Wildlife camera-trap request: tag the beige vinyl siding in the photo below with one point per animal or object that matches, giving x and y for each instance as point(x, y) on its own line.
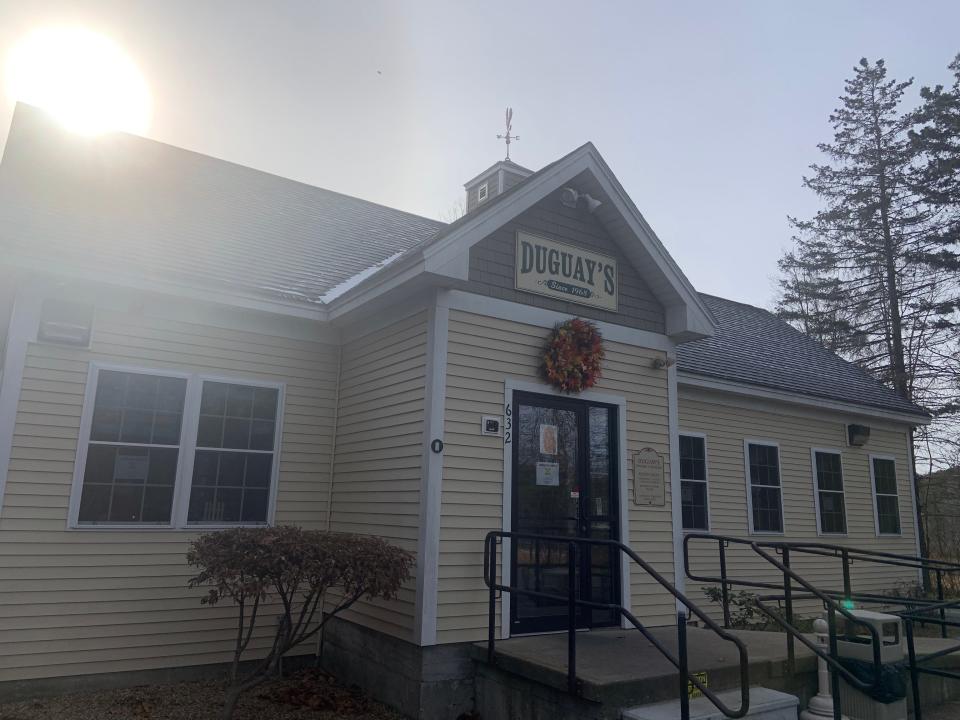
point(379, 455)
point(727, 421)
point(482, 353)
point(91, 601)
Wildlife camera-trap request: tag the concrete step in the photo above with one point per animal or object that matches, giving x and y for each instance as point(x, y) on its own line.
point(765, 704)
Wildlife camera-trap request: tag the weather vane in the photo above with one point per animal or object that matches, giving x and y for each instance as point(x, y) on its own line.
point(508, 137)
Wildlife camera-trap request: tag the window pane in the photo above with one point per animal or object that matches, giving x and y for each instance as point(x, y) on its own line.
point(833, 517)
point(214, 399)
point(764, 465)
point(230, 487)
point(141, 391)
point(128, 484)
point(95, 503)
point(240, 417)
point(239, 401)
point(265, 403)
point(236, 433)
point(767, 515)
point(106, 424)
point(111, 389)
point(829, 471)
point(166, 428)
point(156, 503)
point(125, 483)
point(125, 507)
point(693, 464)
point(137, 426)
point(258, 470)
point(888, 514)
point(693, 505)
point(231, 469)
point(885, 476)
point(210, 431)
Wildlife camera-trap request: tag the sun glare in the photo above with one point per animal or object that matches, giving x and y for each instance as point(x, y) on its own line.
point(81, 78)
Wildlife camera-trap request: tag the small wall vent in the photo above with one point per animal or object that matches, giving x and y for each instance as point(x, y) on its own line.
point(65, 323)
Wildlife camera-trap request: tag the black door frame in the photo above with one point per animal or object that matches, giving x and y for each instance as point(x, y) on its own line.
point(581, 406)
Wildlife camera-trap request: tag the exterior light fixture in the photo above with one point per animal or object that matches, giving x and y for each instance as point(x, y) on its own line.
point(858, 435)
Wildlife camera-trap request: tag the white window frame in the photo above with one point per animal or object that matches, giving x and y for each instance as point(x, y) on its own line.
point(873, 495)
point(483, 193)
point(747, 442)
point(187, 452)
point(705, 481)
point(817, 491)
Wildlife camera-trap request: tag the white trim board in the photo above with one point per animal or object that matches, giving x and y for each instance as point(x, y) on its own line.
point(428, 540)
point(541, 317)
point(743, 389)
point(676, 511)
point(512, 385)
point(24, 323)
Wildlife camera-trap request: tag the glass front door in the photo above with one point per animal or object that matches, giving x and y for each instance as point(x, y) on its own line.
point(565, 485)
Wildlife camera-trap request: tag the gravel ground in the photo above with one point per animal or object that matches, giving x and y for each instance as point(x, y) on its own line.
point(302, 697)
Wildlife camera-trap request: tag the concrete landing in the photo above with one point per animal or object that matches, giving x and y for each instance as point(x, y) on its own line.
point(619, 669)
point(617, 662)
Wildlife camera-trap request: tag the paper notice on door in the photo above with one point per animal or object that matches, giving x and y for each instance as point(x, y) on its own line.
point(548, 474)
point(548, 439)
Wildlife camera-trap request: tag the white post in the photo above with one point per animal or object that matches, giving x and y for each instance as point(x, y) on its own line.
point(821, 705)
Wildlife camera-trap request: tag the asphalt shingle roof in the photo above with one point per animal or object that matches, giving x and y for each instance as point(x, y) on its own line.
point(135, 206)
point(122, 203)
point(755, 347)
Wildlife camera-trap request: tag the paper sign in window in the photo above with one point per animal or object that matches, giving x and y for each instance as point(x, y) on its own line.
point(548, 439)
point(548, 474)
point(131, 467)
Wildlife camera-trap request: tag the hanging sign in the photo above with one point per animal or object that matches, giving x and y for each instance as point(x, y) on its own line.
point(648, 477)
point(566, 272)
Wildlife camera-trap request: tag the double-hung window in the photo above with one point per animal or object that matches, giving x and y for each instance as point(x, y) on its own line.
point(169, 449)
point(693, 483)
point(828, 492)
point(764, 494)
point(886, 502)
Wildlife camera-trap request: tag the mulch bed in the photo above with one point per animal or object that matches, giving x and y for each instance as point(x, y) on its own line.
point(307, 695)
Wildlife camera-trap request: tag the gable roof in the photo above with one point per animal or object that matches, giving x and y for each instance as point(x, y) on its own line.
point(447, 252)
point(754, 347)
point(120, 204)
point(112, 205)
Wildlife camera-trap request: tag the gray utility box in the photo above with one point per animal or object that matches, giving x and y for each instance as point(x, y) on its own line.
point(765, 704)
point(854, 641)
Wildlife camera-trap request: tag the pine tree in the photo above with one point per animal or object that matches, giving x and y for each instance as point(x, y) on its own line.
point(870, 274)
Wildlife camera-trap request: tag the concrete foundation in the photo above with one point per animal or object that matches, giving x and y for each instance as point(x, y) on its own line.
point(422, 682)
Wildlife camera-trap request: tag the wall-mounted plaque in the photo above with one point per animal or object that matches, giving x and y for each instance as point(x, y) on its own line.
point(648, 478)
point(566, 272)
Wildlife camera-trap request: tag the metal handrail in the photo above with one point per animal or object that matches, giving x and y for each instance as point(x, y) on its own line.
point(680, 662)
point(918, 609)
point(846, 554)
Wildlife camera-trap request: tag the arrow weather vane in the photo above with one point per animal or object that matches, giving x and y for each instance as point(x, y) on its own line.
point(508, 137)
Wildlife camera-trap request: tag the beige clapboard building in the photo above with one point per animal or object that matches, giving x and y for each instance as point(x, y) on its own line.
point(188, 344)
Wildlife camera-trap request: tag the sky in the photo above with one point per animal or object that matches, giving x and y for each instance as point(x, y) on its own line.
point(709, 113)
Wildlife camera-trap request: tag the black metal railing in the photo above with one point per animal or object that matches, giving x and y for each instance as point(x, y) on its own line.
point(779, 556)
point(917, 664)
point(496, 539)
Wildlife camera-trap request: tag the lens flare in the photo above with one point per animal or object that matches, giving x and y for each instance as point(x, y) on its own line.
point(80, 77)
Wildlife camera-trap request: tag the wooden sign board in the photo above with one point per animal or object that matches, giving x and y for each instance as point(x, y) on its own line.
point(566, 272)
point(648, 478)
